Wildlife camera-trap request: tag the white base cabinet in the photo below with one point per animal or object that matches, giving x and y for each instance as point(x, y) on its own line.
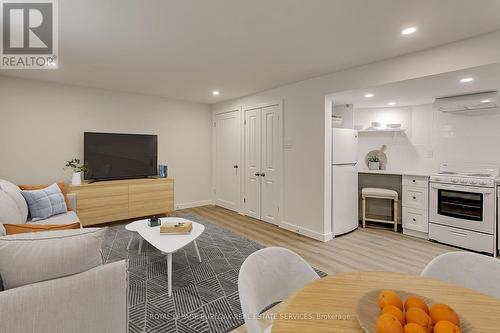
point(416, 206)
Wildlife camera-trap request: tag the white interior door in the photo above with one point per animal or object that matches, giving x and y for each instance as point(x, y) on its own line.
point(270, 164)
point(252, 162)
point(227, 157)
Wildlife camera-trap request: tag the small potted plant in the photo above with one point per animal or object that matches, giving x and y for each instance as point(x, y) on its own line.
point(78, 168)
point(373, 163)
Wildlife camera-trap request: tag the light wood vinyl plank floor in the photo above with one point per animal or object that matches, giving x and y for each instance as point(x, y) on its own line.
point(371, 249)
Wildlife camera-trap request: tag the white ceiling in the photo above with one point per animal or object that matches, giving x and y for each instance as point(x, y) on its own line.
point(184, 49)
point(423, 90)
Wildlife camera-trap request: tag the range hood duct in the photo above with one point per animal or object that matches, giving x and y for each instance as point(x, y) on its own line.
point(468, 102)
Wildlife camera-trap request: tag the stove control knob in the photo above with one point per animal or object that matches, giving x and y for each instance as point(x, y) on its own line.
point(437, 179)
point(482, 182)
point(463, 181)
point(454, 180)
point(473, 181)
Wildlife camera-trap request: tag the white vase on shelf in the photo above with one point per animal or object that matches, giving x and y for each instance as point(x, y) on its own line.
point(76, 178)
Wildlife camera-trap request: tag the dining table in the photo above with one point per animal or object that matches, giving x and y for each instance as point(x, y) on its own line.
point(329, 304)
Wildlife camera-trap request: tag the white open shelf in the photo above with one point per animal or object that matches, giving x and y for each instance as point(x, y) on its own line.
point(385, 130)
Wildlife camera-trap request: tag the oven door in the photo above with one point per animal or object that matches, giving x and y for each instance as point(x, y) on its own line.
point(466, 207)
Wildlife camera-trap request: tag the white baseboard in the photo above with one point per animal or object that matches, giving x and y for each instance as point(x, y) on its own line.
point(306, 232)
point(193, 204)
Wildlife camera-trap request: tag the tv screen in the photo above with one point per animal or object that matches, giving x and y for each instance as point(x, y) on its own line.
point(120, 156)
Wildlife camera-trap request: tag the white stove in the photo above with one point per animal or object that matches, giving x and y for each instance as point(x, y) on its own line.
point(462, 206)
point(472, 174)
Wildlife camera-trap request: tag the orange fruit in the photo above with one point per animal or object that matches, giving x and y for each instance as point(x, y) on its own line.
point(389, 297)
point(419, 317)
point(414, 328)
point(444, 312)
point(445, 326)
point(387, 323)
point(415, 302)
point(396, 312)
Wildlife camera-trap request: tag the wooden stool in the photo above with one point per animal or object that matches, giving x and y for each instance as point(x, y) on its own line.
point(380, 193)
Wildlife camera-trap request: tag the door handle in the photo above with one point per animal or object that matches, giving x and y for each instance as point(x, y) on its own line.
point(235, 166)
point(257, 174)
point(262, 174)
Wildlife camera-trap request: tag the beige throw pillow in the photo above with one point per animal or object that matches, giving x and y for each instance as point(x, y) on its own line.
point(34, 257)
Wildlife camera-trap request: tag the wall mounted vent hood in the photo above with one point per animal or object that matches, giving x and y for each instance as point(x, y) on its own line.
point(468, 102)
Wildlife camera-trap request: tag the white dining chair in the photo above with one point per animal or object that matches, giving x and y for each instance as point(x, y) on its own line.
point(269, 276)
point(470, 270)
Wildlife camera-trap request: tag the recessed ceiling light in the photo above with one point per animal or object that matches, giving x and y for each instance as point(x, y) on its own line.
point(408, 31)
point(391, 103)
point(485, 101)
point(370, 95)
point(467, 79)
point(215, 93)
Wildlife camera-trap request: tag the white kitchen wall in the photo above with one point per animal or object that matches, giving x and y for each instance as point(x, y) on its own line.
point(42, 125)
point(431, 138)
point(307, 175)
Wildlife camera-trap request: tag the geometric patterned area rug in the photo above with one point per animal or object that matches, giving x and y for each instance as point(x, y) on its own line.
point(204, 295)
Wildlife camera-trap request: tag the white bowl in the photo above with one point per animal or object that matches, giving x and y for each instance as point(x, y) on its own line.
point(376, 124)
point(393, 125)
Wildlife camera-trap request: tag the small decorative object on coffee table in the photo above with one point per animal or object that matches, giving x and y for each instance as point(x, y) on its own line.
point(167, 244)
point(176, 228)
point(154, 222)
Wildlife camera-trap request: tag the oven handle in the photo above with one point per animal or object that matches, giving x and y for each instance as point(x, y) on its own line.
point(463, 188)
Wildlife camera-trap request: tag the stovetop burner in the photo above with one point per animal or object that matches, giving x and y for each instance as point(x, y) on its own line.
point(479, 175)
point(447, 173)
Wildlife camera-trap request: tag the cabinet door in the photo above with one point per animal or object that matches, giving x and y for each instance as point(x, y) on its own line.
point(227, 157)
point(270, 164)
point(151, 198)
point(101, 204)
point(253, 156)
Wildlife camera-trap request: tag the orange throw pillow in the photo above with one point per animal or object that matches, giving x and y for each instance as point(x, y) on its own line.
point(11, 229)
point(61, 185)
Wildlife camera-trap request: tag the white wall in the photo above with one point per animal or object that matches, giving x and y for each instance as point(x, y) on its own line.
point(432, 137)
point(307, 120)
point(42, 125)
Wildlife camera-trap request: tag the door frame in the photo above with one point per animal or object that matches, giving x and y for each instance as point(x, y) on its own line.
point(281, 159)
point(215, 113)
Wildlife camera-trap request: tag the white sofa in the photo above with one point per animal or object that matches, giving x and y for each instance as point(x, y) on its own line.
point(55, 282)
point(14, 209)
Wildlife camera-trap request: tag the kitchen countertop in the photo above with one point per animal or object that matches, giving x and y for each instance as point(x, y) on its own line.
point(399, 173)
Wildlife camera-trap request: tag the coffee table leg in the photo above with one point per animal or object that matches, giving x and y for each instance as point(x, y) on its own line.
point(140, 245)
point(130, 241)
point(169, 272)
point(197, 251)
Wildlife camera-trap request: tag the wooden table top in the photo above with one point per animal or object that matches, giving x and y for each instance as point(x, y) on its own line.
point(335, 297)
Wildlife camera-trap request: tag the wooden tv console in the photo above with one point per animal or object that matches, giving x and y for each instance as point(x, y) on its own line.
point(115, 200)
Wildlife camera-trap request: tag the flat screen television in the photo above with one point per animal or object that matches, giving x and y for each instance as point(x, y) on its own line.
point(120, 156)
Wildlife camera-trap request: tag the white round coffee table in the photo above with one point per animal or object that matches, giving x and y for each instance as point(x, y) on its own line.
point(168, 244)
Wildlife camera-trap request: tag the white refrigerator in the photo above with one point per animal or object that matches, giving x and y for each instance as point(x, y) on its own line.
point(344, 181)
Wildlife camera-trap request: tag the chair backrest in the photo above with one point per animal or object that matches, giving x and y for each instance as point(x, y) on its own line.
point(470, 270)
point(268, 276)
